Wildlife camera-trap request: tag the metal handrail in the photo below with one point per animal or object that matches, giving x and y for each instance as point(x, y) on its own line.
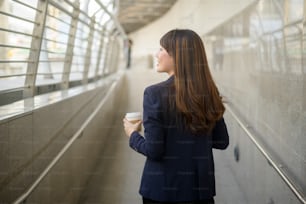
point(285, 178)
point(56, 30)
point(17, 32)
point(14, 46)
point(17, 17)
point(64, 149)
point(15, 61)
point(39, 73)
point(26, 5)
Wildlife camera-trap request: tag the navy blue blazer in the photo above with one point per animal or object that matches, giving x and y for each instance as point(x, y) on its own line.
point(179, 165)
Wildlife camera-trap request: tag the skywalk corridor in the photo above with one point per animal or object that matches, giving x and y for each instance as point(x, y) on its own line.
point(65, 88)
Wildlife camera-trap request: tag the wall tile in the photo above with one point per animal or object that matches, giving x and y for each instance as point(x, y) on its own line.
point(4, 159)
point(20, 154)
point(263, 78)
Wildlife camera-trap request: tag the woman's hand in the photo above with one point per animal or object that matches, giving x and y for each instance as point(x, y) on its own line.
point(130, 127)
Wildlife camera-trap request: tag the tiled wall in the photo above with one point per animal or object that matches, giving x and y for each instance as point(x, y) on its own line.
point(258, 60)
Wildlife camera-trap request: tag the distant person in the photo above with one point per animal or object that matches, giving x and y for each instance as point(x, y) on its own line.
point(183, 122)
point(129, 44)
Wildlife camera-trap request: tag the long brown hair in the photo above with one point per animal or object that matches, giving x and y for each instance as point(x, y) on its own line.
point(196, 96)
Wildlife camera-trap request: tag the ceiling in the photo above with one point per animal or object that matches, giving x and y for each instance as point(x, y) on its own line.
point(134, 14)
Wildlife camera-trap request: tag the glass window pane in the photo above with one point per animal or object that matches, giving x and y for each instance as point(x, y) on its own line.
point(15, 42)
point(294, 10)
point(79, 52)
point(270, 15)
point(54, 46)
point(93, 8)
point(94, 52)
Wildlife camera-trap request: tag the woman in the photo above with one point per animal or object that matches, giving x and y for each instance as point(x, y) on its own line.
point(183, 121)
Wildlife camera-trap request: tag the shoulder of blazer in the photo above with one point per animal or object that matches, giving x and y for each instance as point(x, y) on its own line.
point(153, 89)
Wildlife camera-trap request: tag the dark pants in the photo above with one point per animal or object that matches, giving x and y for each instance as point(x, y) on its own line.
point(208, 201)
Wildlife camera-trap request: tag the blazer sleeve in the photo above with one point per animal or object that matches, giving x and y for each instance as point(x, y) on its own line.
point(152, 145)
point(220, 138)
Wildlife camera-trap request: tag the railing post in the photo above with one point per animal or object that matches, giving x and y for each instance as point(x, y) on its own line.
point(106, 68)
point(304, 46)
point(70, 46)
point(88, 51)
point(99, 53)
point(38, 33)
point(113, 60)
point(117, 55)
point(4, 6)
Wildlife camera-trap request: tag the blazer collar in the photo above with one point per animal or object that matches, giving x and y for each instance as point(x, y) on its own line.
point(170, 79)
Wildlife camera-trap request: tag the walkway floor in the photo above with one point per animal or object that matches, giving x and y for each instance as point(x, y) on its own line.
point(117, 176)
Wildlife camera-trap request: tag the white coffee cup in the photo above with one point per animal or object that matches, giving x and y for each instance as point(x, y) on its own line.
point(134, 117)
